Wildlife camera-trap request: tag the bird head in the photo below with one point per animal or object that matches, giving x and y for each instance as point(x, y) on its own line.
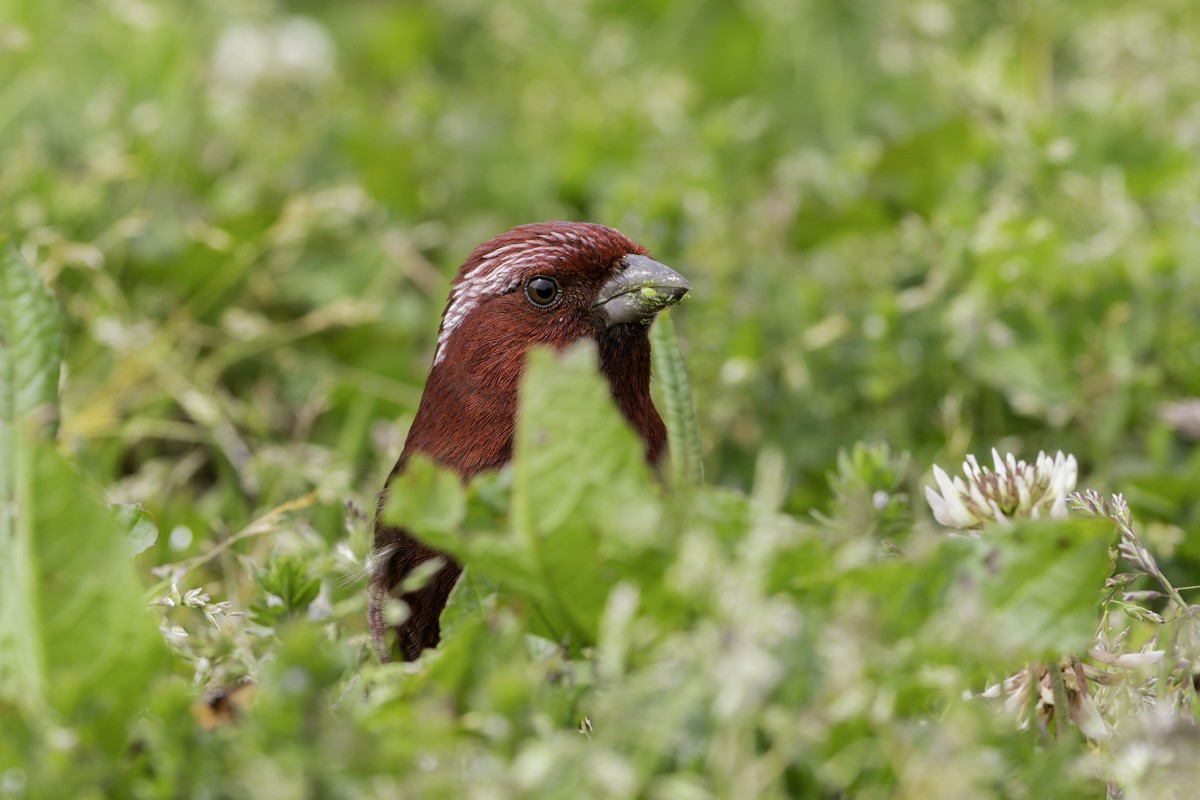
point(551, 284)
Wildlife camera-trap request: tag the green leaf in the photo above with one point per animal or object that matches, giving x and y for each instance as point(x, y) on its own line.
point(583, 496)
point(431, 503)
point(426, 498)
point(469, 602)
point(30, 358)
point(77, 644)
point(678, 407)
point(286, 588)
point(31, 349)
point(76, 638)
point(584, 511)
point(1038, 586)
point(139, 527)
point(1045, 590)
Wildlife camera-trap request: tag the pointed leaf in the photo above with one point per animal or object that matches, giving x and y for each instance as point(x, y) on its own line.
point(679, 408)
point(139, 527)
point(77, 643)
point(583, 495)
point(31, 347)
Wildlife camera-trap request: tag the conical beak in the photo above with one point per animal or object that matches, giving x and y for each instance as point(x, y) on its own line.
point(640, 291)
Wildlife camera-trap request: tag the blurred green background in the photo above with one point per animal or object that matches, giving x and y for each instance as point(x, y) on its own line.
point(944, 225)
point(948, 226)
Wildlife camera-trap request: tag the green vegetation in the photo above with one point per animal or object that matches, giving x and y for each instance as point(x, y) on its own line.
point(916, 231)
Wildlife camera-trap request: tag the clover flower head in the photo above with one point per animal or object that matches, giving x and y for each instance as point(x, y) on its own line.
point(1012, 489)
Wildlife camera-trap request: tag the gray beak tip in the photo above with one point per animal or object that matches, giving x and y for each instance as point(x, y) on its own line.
point(641, 290)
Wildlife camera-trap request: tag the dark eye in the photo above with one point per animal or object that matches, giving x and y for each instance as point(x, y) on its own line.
point(542, 292)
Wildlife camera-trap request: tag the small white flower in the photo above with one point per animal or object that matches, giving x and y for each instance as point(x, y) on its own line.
point(1128, 660)
point(1011, 490)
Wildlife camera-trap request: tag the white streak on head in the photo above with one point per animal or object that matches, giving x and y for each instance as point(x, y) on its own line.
point(500, 271)
point(501, 250)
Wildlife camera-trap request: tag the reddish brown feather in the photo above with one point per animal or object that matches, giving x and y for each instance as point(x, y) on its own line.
point(467, 413)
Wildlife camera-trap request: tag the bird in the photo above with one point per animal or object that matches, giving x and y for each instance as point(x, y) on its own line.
point(547, 284)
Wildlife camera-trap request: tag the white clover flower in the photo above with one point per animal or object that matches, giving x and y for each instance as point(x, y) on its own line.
point(1012, 490)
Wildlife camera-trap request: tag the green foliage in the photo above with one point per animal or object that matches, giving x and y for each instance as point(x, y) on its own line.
point(678, 409)
point(140, 528)
point(285, 589)
point(583, 503)
point(31, 345)
point(1040, 586)
point(30, 351)
point(939, 226)
point(583, 497)
point(76, 644)
point(425, 499)
point(868, 492)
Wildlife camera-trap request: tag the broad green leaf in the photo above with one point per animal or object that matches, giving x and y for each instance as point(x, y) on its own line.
point(583, 497)
point(473, 596)
point(1029, 591)
point(431, 503)
point(426, 497)
point(499, 555)
point(584, 512)
point(30, 358)
point(1041, 584)
point(76, 637)
point(77, 644)
point(904, 593)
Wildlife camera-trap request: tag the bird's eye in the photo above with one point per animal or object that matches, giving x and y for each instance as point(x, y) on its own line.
point(542, 292)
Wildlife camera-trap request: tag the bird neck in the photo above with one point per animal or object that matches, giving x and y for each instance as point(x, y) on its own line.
point(625, 363)
point(467, 418)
